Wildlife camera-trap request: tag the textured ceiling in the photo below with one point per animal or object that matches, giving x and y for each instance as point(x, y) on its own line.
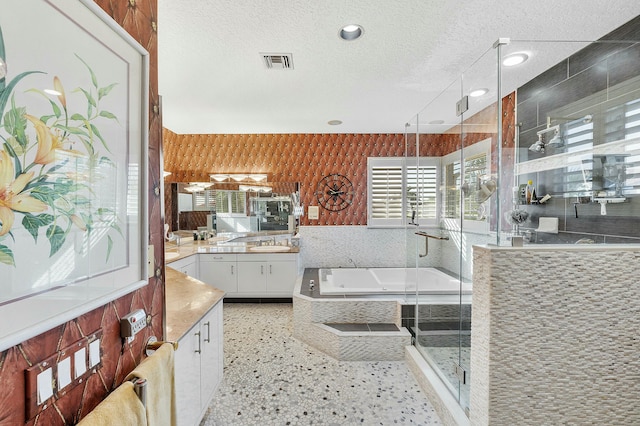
point(212, 78)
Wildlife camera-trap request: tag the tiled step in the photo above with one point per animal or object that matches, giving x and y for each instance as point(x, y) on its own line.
point(364, 327)
point(362, 341)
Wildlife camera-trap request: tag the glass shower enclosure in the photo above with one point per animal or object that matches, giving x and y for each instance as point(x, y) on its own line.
point(495, 133)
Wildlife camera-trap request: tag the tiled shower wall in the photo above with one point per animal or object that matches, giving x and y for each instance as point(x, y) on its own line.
point(139, 19)
point(555, 336)
point(595, 69)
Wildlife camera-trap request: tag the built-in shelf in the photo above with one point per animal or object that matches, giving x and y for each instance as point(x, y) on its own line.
point(567, 159)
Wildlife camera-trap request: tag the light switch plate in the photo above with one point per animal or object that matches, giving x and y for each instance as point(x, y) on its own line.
point(64, 373)
point(150, 262)
point(313, 212)
point(45, 386)
point(94, 353)
point(80, 362)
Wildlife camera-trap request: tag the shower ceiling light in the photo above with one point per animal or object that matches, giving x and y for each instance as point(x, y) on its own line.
point(478, 92)
point(514, 59)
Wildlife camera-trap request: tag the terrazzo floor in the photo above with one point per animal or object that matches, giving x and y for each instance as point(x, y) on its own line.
point(270, 378)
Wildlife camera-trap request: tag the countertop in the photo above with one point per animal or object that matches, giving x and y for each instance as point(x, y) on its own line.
point(173, 252)
point(186, 301)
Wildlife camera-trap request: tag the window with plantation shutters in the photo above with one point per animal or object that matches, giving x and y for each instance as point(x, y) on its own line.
point(231, 203)
point(401, 191)
point(204, 200)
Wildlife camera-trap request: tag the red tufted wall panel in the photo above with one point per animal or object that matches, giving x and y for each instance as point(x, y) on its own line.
point(303, 158)
point(139, 19)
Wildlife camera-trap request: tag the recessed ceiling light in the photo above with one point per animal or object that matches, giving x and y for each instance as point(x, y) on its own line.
point(351, 32)
point(514, 59)
point(478, 92)
point(334, 122)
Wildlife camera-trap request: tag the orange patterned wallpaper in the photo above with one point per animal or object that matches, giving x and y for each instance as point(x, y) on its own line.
point(303, 158)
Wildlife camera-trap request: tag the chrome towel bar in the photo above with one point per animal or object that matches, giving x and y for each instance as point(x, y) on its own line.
point(426, 241)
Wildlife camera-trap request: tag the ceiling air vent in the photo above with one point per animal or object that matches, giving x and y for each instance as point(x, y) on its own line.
point(278, 61)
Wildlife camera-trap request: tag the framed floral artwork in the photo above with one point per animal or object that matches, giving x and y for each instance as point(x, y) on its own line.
point(73, 141)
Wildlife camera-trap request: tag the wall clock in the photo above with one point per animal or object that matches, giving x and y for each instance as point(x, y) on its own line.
point(335, 192)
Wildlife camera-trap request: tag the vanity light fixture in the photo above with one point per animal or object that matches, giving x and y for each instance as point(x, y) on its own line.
point(219, 178)
point(251, 188)
point(514, 59)
point(197, 186)
point(351, 32)
point(239, 177)
point(478, 92)
point(258, 177)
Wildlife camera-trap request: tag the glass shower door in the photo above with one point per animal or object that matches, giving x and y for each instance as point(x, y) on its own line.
point(460, 128)
point(434, 251)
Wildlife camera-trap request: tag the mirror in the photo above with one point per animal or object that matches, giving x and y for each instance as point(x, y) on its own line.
point(231, 207)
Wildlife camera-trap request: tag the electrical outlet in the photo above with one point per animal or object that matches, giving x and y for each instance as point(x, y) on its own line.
point(150, 262)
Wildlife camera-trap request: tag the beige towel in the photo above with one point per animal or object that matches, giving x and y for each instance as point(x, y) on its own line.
point(161, 401)
point(121, 407)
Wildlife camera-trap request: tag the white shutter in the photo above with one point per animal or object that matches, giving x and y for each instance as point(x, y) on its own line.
point(386, 193)
point(397, 188)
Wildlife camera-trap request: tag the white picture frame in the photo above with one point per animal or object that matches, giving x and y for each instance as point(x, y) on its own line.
point(73, 164)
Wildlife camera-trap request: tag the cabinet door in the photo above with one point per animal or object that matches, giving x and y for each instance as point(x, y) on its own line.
point(187, 378)
point(210, 358)
point(191, 270)
point(252, 277)
point(281, 277)
point(220, 274)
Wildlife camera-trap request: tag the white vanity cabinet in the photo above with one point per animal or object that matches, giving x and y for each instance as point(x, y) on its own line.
point(198, 367)
point(267, 275)
point(220, 271)
point(187, 265)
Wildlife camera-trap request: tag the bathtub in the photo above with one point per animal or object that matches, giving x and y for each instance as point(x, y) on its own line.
point(360, 281)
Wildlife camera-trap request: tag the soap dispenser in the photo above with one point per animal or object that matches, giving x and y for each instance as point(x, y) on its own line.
point(531, 193)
